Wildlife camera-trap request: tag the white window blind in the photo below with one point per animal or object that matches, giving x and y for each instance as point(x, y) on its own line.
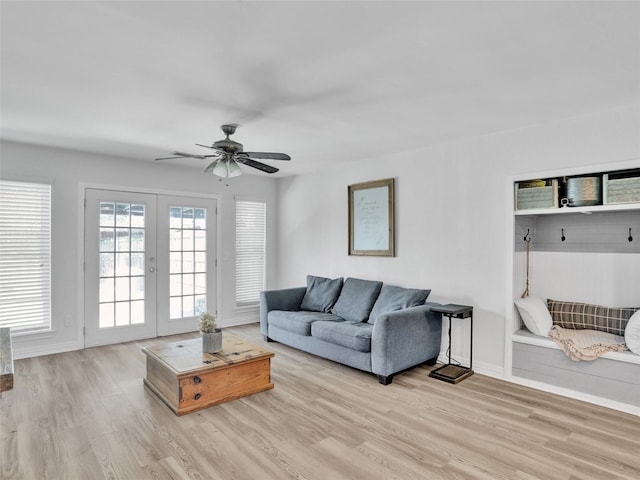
point(251, 225)
point(25, 255)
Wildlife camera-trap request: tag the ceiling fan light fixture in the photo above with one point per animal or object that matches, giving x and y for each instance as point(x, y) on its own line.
point(227, 168)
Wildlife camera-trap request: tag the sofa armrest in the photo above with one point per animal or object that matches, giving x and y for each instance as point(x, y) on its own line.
point(405, 338)
point(284, 299)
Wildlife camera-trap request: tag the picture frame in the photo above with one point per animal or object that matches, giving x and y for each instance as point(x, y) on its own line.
point(372, 218)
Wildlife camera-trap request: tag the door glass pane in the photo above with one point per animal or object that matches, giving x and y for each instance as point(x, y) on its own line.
point(122, 263)
point(137, 312)
point(107, 214)
point(175, 239)
point(137, 240)
point(137, 288)
point(106, 290)
point(137, 216)
point(122, 215)
point(106, 315)
point(107, 239)
point(187, 244)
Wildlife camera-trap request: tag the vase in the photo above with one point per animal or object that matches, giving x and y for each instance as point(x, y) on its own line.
point(212, 341)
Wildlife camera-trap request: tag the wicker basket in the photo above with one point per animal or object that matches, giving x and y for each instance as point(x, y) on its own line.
point(621, 190)
point(527, 198)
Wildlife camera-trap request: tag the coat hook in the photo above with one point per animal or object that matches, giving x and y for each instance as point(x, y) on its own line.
point(630, 238)
point(563, 238)
point(527, 238)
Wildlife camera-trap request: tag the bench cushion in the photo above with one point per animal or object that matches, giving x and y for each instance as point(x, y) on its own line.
point(298, 322)
point(353, 335)
point(356, 299)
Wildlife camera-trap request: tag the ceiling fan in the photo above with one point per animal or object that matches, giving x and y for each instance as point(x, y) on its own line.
point(229, 155)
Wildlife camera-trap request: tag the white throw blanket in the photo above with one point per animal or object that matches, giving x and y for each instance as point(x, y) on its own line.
point(586, 344)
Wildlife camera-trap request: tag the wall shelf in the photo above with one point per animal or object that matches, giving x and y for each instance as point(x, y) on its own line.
point(573, 210)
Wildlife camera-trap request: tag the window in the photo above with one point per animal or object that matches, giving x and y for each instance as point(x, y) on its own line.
point(25, 255)
point(251, 226)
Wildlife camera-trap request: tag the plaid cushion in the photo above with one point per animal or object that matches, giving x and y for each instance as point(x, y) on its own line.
point(581, 316)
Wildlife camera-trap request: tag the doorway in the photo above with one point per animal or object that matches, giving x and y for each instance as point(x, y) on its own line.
point(149, 264)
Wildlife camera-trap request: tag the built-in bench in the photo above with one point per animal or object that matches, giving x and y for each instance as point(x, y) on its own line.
point(6, 360)
point(613, 376)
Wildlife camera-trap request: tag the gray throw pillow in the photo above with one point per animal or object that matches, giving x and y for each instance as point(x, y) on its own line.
point(356, 299)
point(321, 294)
point(393, 298)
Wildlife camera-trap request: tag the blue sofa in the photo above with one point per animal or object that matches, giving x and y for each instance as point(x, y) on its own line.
point(360, 323)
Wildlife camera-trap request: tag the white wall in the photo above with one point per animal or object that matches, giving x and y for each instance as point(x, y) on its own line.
point(451, 217)
point(68, 170)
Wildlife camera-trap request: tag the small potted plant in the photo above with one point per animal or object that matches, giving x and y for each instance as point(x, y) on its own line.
point(211, 335)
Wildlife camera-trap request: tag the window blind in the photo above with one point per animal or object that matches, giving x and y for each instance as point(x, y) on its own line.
point(251, 223)
point(25, 255)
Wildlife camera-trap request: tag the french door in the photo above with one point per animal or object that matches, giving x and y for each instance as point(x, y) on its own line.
point(149, 264)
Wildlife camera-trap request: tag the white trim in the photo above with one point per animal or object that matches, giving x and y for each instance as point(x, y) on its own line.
point(28, 351)
point(508, 314)
point(565, 172)
point(585, 397)
point(481, 368)
point(153, 191)
point(29, 335)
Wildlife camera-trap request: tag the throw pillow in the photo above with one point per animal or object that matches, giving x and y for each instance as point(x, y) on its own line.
point(321, 294)
point(356, 299)
point(535, 315)
point(393, 298)
point(581, 316)
point(632, 333)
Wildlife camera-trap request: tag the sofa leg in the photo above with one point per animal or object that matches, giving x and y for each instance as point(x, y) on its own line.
point(267, 339)
point(385, 379)
point(432, 361)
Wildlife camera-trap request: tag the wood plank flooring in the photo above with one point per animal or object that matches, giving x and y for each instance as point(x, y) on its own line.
point(85, 415)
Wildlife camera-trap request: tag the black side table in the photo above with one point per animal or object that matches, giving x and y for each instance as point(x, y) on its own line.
point(450, 372)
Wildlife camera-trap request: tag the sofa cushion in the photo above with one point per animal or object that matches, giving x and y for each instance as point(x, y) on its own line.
point(394, 298)
point(298, 322)
point(356, 299)
point(353, 335)
point(321, 294)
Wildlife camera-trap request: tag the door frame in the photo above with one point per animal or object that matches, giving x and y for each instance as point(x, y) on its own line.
point(82, 187)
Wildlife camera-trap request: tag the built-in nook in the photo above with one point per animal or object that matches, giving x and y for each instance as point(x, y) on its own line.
point(590, 253)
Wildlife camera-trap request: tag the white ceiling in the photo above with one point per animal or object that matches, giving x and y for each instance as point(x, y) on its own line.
point(326, 82)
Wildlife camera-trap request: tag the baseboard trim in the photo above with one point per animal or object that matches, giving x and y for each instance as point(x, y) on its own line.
point(28, 351)
point(482, 368)
point(585, 397)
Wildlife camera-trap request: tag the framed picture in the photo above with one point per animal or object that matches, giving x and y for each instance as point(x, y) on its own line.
point(371, 218)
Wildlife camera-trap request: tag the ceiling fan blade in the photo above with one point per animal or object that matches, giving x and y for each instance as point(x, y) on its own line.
point(267, 155)
point(209, 168)
point(167, 158)
point(189, 155)
point(210, 146)
point(259, 165)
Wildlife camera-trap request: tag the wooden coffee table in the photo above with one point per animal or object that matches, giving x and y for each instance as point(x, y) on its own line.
point(188, 380)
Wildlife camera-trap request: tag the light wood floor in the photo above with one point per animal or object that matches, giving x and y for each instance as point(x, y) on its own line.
point(85, 415)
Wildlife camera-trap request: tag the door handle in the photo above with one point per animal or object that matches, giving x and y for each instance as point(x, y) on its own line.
point(152, 269)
